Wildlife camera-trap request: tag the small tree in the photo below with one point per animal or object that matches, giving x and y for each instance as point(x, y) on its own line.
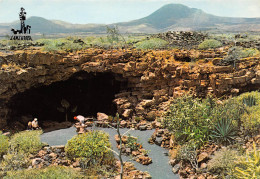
point(113, 34)
point(120, 144)
point(66, 108)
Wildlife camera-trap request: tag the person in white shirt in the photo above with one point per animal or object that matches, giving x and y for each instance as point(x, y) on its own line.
point(35, 124)
point(81, 119)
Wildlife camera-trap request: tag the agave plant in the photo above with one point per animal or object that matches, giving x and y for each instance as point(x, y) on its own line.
point(65, 106)
point(224, 131)
point(249, 101)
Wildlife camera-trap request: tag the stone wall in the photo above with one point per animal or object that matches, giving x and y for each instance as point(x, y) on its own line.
point(182, 39)
point(154, 77)
point(249, 44)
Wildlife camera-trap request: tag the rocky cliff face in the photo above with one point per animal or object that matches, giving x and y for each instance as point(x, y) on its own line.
point(153, 77)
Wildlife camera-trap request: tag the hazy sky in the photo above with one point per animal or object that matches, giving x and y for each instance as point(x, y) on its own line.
point(110, 11)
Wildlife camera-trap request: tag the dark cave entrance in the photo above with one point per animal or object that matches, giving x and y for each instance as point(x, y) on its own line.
point(182, 59)
point(90, 92)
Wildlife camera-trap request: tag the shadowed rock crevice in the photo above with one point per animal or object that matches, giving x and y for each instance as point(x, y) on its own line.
point(183, 59)
point(90, 92)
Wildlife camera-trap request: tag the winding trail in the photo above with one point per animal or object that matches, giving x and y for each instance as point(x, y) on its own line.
point(159, 169)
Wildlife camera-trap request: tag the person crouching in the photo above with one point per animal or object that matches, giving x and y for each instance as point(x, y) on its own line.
point(81, 127)
point(81, 119)
point(29, 127)
point(35, 124)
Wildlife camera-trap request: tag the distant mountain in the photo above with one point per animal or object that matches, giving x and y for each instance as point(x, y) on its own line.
point(43, 26)
point(180, 17)
point(174, 17)
point(39, 25)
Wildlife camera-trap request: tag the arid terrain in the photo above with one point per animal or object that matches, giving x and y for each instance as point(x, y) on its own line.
point(197, 92)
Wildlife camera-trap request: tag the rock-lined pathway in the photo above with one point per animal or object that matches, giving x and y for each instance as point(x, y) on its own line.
point(159, 169)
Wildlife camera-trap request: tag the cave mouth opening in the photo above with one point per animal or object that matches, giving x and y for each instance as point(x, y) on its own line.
point(89, 93)
point(183, 59)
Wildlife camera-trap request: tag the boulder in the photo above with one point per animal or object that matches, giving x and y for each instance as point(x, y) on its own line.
point(46, 158)
point(65, 162)
point(123, 123)
point(42, 153)
point(127, 113)
point(124, 139)
point(158, 125)
point(144, 160)
point(128, 151)
point(203, 165)
point(58, 148)
point(53, 155)
point(76, 164)
point(147, 103)
point(203, 156)
point(143, 127)
point(127, 165)
point(160, 131)
point(36, 161)
point(102, 116)
point(201, 177)
point(135, 153)
point(173, 162)
point(176, 168)
point(158, 141)
point(151, 116)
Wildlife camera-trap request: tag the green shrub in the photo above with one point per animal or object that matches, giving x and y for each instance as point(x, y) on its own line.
point(248, 166)
point(249, 52)
point(231, 109)
point(3, 144)
point(189, 119)
point(138, 118)
point(251, 119)
point(89, 39)
point(26, 141)
point(249, 101)
point(107, 168)
point(53, 172)
point(210, 43)
point(91, 145)
point(51, 45)
point(193, 119)
point(14, 161)
point(54, 45)
point(101, 42)
point(188, 153)
point(234, 54)
point(154, 43)
point(71, 46)
point(223, 161)
point(132, 143)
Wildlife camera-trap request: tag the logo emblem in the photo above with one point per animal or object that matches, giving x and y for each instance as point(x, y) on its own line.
point(21, 34)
